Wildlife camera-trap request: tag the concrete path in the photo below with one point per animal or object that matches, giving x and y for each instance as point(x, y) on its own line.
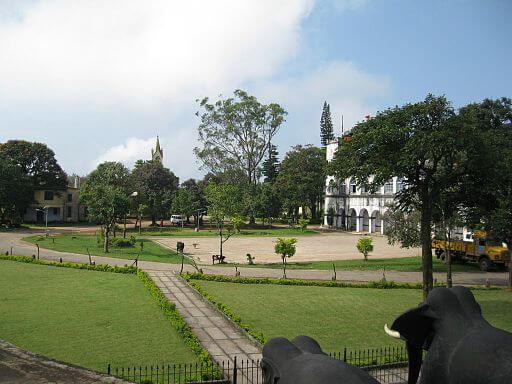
point(217, 334)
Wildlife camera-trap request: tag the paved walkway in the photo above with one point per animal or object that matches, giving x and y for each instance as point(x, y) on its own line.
point(218, 335)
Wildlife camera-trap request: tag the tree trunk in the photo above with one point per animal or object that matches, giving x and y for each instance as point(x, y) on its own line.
point(426, 249)
point(284, 266)
point(312, 207)
point(220, 234)
point(153, 220)
point(105, 239)
point(449, 262)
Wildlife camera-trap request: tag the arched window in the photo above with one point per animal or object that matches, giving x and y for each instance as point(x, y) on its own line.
point(388, 186)
point(342, 187)
point(353, 186)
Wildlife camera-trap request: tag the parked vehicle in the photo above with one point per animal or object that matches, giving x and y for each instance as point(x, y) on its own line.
point(177, 220)
point(482, 249)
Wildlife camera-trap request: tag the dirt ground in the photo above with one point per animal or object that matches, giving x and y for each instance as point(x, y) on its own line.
point(322, 247)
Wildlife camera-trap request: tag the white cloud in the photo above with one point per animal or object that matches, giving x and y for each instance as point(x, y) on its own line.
point(349, 91)
point(133, 150)
point(178, 156)
point(143, 53)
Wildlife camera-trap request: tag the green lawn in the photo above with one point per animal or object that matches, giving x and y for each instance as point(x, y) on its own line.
point(76, 243)
point(336, 317)
point(406, 264)
point(85, 317)
point(270, 232)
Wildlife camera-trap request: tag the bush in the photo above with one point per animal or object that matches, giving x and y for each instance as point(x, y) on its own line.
point(303, 224)
point(365, 246)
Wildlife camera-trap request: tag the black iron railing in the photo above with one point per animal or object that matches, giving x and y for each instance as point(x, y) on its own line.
point(387, 365)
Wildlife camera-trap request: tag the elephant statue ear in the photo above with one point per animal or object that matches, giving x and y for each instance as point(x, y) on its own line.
point(416, 326)
point(307, 344)
point(271, 374)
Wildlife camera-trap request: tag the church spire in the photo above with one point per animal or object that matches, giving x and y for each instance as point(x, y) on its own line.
point(157, 154)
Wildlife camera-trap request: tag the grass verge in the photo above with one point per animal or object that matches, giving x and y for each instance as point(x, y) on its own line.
point(351, 317)
point(88, 318)
point(79, 243)
point(404, 264)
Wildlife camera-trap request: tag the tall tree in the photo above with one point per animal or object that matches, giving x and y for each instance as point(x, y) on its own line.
point(37, 161)
point(326, 128)
point(421, 143)
point(235, 134)
point(301, 178)
point(105, 194)
point(16, 192)
point(271, 165)
point(224, 201)
point(156, 186)
point(488, 190)
point(197, 199)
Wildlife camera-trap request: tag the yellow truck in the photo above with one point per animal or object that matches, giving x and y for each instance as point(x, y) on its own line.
point(488, 253)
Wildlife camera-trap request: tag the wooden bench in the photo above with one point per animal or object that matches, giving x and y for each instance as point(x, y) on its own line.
point(219, 258)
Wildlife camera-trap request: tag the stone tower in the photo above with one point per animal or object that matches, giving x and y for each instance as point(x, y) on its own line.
point(157, 154)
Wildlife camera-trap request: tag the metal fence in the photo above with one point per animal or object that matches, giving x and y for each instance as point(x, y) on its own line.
point(387, 365)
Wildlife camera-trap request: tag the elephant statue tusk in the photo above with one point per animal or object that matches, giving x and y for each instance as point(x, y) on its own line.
point(391, 333)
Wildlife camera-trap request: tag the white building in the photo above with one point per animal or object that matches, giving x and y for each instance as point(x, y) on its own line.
point(354, 208)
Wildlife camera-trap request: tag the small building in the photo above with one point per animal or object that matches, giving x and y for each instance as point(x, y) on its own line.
point(57, 205)
point(348, 206)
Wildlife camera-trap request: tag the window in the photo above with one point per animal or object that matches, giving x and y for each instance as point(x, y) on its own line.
point(70, 197)
point(353, 187)
point(48, 195)
point(388, 187)
point(56, 211)
point(343, 187)
point(399, 184)
point(69, 212)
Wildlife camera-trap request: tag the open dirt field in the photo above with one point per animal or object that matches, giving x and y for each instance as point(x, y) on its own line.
point(322, 247)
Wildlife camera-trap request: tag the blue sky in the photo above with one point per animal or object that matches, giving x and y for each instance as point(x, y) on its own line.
point(98, 80)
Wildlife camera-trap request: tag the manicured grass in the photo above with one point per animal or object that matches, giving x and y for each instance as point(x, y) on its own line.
point(79, 243)
point(270, 232)
point(85, 317)
point(336, 317)
point(405, 264)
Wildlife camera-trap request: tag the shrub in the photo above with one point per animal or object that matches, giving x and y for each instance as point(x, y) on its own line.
point(365, 246)
point(303, 224)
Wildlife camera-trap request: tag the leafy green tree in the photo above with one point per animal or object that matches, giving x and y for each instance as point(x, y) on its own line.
point(423, 144)
point(156, 186)
point(286, 248)
point(37, 161)
point(197, 199)
point(365, 246)
point(269, 204)
point(235, 134)
point(224, 201)
point(402, 227)
point(301, 178)
point(105, 194)
point(487, 193)
point(16, 192)
point(182, 203)
point(326, 128)
point(271, 165)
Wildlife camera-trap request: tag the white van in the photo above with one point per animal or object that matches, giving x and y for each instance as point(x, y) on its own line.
point(177, 220)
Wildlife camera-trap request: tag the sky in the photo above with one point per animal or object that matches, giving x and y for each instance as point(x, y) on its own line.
point(98, 80)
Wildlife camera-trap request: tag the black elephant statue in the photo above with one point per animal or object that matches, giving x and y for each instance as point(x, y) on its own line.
point(463, 348)
point(301, 361)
